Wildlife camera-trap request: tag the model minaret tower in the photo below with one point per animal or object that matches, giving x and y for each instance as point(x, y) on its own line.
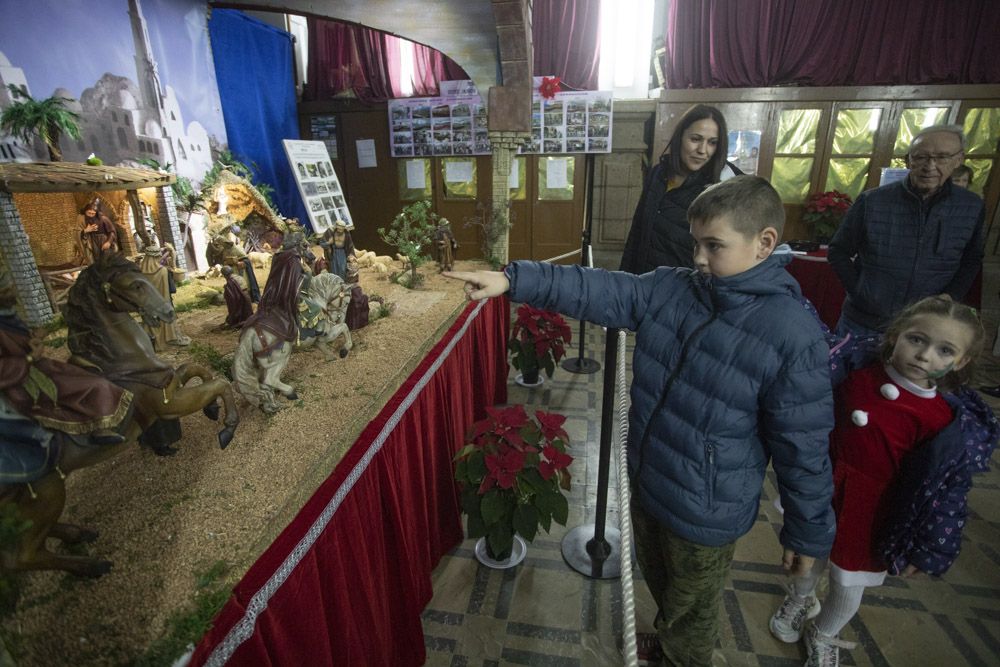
point(148, 78)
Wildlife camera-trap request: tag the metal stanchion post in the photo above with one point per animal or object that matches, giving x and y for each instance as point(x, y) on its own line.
point(580, 363)
point(594, 550)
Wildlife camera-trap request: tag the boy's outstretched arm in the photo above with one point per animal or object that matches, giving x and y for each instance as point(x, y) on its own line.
point(481, 285)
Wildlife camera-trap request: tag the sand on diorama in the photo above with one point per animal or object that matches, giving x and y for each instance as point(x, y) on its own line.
point(181, 530)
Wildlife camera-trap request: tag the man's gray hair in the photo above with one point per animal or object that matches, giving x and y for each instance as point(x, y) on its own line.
point(953, 129)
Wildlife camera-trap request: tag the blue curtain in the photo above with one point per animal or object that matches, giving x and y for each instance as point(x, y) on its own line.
point(254, 68)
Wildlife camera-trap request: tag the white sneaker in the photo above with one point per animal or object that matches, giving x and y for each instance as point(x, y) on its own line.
point(824, 651)
point(786, 624)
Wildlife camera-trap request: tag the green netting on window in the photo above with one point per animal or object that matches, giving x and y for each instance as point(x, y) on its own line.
point(915, 119)
point(459, 177)
point(790, 176)
point(848, 175)
point(797, 131)
point(982, 130)
point(555, 178)
point(406, 193)
point(980, 174)
point(855, 131)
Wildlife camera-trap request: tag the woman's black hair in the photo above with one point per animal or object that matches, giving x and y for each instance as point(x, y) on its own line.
point(672, 153)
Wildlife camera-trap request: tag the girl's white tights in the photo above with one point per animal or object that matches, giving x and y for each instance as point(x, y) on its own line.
point(839, 607)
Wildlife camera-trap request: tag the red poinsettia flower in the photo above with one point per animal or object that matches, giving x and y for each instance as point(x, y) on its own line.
point(549, 87)
point(554, 461)
point(551, 424)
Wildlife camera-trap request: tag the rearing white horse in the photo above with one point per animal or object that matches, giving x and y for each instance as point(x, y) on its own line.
point(322, 319)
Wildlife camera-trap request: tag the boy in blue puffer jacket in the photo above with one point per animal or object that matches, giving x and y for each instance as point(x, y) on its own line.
point(729, 372)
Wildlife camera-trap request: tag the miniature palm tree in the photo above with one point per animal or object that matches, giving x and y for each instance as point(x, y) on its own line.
point(48, 118)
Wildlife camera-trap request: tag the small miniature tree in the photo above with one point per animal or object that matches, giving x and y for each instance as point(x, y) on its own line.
point(412, 231)
point(48, 118)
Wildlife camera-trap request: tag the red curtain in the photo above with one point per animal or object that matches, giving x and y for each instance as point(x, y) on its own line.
point(346, 581)
point(751, 43)
point(347, 57)
point(565, 37)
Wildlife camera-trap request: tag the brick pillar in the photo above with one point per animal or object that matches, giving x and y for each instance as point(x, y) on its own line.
point(19, 260)
point(504, 147)
point(166, 212)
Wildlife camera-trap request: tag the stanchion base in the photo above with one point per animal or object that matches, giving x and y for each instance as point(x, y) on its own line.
point(578, 365)
point(577, 547)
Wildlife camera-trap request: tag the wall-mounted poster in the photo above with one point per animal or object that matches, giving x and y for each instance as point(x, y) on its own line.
point(318, 184)
point(744, 149)
point(423, 126)
point(455, 123)
point(324, 128)
point(570, 122)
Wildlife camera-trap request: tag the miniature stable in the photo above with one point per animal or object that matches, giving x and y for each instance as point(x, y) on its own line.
point(40, 223)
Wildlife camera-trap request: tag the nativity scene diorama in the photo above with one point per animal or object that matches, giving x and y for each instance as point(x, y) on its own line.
point(126, 379)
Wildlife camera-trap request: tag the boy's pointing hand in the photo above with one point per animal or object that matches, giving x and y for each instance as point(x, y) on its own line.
point(481, 285)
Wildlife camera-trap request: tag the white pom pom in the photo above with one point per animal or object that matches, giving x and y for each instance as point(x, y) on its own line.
point(860, 418)
point(890, 391)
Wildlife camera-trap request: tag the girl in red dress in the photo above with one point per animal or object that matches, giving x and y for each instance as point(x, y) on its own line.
point(896, 437)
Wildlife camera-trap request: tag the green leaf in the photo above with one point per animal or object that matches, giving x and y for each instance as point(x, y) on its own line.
point(561, 512)
point(501, 539)
point(462, 472)
point(44, 383)
point(493, 506)
point(476, 466)
point(470, 501)
point(526, 521)
point(476, 526)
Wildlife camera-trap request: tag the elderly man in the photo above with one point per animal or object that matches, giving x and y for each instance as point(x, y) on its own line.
point(910, 239)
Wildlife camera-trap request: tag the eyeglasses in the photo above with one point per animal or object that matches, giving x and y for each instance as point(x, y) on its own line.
point(922, 159)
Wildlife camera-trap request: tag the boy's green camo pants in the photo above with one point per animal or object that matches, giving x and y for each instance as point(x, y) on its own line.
point(686, 580)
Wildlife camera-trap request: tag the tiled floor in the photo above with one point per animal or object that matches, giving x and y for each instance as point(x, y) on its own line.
point(545, 613)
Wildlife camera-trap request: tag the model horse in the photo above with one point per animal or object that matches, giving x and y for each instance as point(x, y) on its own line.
point(322, 318)
point(105, 340)
point(33, 468)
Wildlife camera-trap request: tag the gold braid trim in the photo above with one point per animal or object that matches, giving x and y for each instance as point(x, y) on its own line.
point(101, 423)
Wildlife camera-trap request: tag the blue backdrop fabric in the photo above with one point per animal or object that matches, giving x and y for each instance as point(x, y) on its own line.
point(254, 69)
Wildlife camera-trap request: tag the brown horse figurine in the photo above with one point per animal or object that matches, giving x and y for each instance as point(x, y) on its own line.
point(105, 339)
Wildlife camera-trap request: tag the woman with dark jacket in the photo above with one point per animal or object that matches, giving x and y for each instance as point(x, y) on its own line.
point(694, 159)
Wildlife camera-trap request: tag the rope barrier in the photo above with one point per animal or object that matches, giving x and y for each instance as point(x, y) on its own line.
point(624, 513)
point(563, 256)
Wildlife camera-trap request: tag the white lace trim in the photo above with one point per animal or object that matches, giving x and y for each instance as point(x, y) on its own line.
point(243, 629)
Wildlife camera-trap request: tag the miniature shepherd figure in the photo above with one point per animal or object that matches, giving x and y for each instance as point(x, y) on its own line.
point(446, 245)
point(338, 248)
point(97, 233)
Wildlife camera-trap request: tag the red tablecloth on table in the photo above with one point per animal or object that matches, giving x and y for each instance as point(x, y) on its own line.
point(820, 285)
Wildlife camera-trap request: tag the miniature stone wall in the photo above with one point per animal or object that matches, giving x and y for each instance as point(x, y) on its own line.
point(19, 259)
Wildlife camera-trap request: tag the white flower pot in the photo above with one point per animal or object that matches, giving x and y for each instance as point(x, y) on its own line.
point(519, 549)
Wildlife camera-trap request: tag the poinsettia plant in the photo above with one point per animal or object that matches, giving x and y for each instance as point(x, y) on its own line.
point(538, 340)
point(824, 211)
point(512, 475)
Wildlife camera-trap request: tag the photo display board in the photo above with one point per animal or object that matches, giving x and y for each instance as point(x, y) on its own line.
point(455, 123)
point(425, 126)
point(318, 184)
point(570, 122)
